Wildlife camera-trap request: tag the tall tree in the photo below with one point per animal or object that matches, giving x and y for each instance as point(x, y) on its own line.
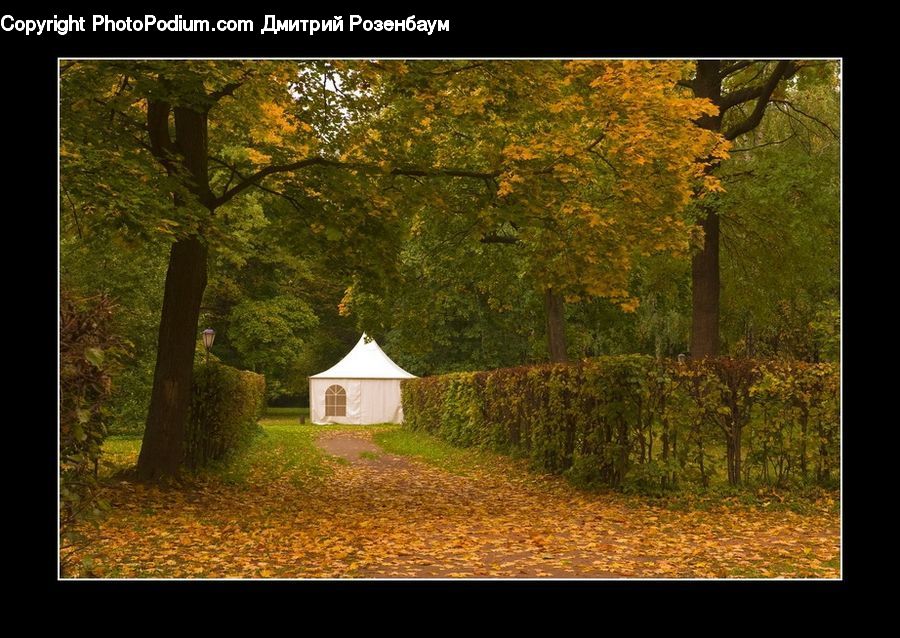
point(742, 90)
point(189, 138)
point(589, 164)
point(141, 131)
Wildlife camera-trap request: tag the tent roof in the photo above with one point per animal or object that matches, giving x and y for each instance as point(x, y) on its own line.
point(365, 361)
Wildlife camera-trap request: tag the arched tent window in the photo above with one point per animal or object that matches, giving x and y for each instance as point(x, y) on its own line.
point(335, 401)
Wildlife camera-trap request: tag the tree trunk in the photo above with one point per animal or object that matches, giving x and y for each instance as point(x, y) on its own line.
point(705, 290)
point(665, 447)
point(162, 451)
point(804, 427)
point(733, 455)
point(705, 268)
point(555, 309)
point(704, 480)
point(705, 264)
point(729, 459)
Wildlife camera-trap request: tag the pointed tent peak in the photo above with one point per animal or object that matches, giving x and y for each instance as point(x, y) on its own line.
point(365, 361)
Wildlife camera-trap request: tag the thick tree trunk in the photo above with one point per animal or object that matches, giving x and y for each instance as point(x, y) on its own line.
point(555, 310)
point(705, 268)
point(162, 451)
point(705, 291)
point(705, 264)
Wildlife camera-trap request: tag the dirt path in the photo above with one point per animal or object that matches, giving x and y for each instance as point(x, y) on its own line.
point(285, 511)
point(490, 524)
point(360, 450)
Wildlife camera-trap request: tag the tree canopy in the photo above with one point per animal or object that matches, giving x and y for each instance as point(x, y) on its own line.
point(469, 214)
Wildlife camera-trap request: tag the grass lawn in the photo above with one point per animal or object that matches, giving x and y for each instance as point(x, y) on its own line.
point(284, 413)
point(437, 452)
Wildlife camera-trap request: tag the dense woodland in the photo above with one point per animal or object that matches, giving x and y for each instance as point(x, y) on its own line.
point(468, 215)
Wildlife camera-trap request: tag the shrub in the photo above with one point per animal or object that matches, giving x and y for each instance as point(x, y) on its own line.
point(226, 404)
point(798, 438)
point(644, 424)
point(87, 353)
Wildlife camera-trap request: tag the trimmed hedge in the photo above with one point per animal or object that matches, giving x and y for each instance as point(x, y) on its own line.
point(641, 423)
point(226, 404)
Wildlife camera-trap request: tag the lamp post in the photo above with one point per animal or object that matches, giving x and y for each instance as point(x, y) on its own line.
point(209, 335)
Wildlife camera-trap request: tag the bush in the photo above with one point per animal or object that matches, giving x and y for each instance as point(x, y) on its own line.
point(644, 424)
point(87, 353)
point(226, 404)
point(798, 438)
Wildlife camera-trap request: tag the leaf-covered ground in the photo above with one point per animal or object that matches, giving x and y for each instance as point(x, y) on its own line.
point(312, 501)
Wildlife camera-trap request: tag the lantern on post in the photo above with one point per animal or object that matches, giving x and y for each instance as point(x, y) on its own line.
point(209, 335)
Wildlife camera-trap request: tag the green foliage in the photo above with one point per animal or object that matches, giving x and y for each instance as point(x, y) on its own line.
point(460, 304)
point(644, 424)
point(265, 332)
point(226, 404)
point(130, 273)
point(781, 228)
point(436, 451)
point(798, 439)
point(88, 351)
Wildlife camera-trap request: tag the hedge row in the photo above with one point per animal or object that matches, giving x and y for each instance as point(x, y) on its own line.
point(226, 404)
point(642, 423)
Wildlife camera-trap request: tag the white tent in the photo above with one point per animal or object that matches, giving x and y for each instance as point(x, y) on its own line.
point(363, 387)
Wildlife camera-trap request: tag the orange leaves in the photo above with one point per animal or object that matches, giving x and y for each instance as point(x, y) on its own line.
point(568, 103)
point(520, 152)
point(630, 305)
point(274, 124)
point(257, 157)
point(288, 511)
point(614, 137)
point(505, 186)
point(711, 184)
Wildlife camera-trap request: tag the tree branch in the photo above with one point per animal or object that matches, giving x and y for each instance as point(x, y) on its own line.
point(494, 238)
point(825, 125)
point(607, 162)
point(284, 196)
point(129, 123)
point(784, 69)
point(372, 169)
point(234, 172)
point(749, 173)
point(725, 71)
point(74, 211)
point(773, 143)
point(466, 67)
point(229, 88)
